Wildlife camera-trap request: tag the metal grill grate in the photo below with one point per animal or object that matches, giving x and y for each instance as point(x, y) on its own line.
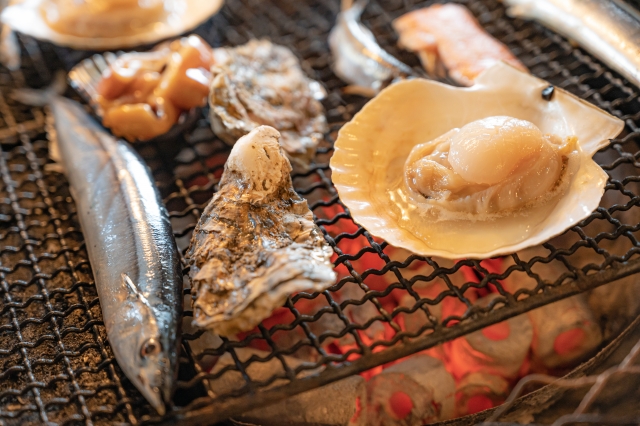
point(56, 365)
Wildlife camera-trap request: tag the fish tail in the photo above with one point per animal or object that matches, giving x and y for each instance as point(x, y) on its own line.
point(42, 97)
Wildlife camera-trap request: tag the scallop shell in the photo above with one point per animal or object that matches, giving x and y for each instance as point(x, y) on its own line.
point(371, 150)
point(25, 17)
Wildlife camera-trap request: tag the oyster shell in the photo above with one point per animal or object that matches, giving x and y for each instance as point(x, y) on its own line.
point(371, 151)
point(256, 242)
point(178, 17)
point(260, 83)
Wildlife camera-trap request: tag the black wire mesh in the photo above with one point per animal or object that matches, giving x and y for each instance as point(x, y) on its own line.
point(56, 364)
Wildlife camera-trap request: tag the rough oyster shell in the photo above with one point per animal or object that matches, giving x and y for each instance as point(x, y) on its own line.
point(25, 17)
point(256, 242)
point(260, 83)
point(371, 150)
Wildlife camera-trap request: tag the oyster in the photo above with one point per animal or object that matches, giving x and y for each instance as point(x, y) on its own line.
point(260, 83)
point(107, 24)
point(371, 155)
point(256, 242)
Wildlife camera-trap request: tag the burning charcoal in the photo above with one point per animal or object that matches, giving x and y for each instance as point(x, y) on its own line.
point(415, 391)
point(338, 403)
point(478, 392)
point(500, 349)
point(614, 305)
point(564, 331)
point(360, 314)
point(205, 340)
point(415, 321)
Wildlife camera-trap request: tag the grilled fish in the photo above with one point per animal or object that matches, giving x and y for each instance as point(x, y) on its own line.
point(358, 59)
point(610, 30)
point(131, 247)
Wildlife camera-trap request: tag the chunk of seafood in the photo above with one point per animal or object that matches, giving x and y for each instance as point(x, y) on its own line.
point(102, 18)
point(256, 242)
point(358, 59)
point(260, 83)
point(491, 167)
point(468, 193)
point(448, 38)
point(9, 47)
point(107, 24)
point(140, 95)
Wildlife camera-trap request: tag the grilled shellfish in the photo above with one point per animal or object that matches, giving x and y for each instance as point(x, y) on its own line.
point(256, 242)
point(260, 83)
point(107, 24)
point(374, 177)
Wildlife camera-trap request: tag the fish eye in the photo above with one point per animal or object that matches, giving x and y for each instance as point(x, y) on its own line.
point(150, 347)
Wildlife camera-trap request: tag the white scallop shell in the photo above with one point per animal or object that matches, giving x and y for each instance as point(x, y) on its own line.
point(371, 150)
point(25, 17)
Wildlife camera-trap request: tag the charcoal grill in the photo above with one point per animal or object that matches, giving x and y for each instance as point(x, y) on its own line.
point(56, 366)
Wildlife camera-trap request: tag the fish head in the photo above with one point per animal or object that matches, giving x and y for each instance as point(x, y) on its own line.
point(145, 351)
point(154, 377)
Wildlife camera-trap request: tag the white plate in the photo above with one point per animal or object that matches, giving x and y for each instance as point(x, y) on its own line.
point(26, 18)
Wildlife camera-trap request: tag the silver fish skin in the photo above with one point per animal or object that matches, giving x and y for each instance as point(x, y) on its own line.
point(608, 29)
point(358, 59)
point(131, 247)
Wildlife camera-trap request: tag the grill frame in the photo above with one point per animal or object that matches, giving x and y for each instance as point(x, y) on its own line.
point(42, 252)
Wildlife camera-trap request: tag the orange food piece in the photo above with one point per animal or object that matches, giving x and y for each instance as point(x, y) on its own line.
point(448, 35)
point(140, 121)
point(195, 53)
point(113, 84)
point(143, 94)
point(186, 79)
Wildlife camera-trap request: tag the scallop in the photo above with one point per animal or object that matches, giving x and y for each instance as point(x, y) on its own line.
point(491, 168)
point(472, 172)
point(107, 24)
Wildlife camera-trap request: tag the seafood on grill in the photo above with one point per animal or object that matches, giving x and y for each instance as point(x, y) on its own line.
point(256, 242)
point(490, 168)
point(380, 153)
point(141, 95)
point(9, 47)
point(131, 247)
point(107, 24)
point(357, 57)
point(607, 29)
point(261, 83)
point(449, 40)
